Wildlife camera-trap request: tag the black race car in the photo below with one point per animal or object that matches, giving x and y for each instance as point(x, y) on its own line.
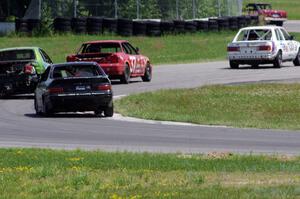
point(72, 87)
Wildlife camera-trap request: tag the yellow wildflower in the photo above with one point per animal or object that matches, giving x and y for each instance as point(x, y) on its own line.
point(75, 159)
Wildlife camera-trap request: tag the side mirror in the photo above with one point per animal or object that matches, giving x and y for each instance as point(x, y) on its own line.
point(137, 50)
point(292, 37)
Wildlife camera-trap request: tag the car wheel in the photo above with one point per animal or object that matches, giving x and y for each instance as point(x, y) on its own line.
point(148, 74)
point(233, 65)
point(37, 111)
point(254, 65)
point(297, 59)
point(279, 23)
point(98, 112)
point(125, 79)
point(2, 94)
point(109, 111)
point(278, 60)
point(45, 110)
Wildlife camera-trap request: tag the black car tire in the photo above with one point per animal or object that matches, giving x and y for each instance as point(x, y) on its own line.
point(125, 79)
point(279, 23)
point(233, 64)
point(37, 111)
point(278, 60)
point(148, 74)
point(297, 59)
point(109, 111)
point(98, 112)
point(45, 110)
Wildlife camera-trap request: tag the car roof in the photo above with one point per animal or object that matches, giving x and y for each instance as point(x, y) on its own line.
point(252, 4)
point(74, 63)
point(261, 27)
point(20, 48)
point(105, 41)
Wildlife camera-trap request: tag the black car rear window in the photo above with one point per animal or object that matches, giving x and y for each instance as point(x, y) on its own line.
point(76, 71)
point(17, 55)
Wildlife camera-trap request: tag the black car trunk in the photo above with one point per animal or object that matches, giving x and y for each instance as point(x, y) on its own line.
point(78, 84)
point(79, 94)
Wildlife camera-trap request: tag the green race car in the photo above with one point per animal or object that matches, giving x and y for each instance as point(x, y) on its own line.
point(20, 69)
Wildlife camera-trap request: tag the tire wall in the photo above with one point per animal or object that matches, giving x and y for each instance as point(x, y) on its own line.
point(27, 26)
point(128, 27)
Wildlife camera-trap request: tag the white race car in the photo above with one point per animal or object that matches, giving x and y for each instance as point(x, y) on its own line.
point(263, 45)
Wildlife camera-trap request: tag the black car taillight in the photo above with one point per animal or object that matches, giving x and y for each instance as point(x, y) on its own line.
point(55, 90)
point(104, 87)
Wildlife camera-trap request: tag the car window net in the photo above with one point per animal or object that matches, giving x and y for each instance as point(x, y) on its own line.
point(17, 55)
point(75, 71)
point(255, 35)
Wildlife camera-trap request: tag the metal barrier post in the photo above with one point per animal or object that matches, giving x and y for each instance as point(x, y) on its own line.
point(116, 8)
point(194, 10)
point(219, 8)
point(177, 10)
point(40, 9)
point(137, 9)
point(74, 8)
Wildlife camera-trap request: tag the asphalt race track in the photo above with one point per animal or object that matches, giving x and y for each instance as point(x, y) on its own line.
point(19, 127)
point(292, 26)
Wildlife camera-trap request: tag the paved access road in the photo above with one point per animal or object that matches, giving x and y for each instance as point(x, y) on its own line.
point(20, 127)
point(292, 26)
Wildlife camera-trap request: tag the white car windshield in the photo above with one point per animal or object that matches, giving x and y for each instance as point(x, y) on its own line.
point(255, 35)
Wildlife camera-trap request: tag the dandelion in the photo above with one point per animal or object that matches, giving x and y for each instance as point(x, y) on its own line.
point(75, 168)
point(75, 159)
point(135, 197)
point(115, 196)
point(23, 168)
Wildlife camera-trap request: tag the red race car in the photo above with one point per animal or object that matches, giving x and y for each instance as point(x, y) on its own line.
point(266, 13)
point(118, 58)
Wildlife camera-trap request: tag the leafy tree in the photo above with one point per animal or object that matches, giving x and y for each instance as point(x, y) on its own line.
point(147, 8)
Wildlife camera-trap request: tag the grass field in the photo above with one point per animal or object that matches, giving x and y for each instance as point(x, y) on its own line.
point(32, 173)
point(291, 6)
point(275, 106)
point(199, 47)
point(167, 49)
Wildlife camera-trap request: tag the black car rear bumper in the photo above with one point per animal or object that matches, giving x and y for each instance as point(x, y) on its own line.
point(78, 102)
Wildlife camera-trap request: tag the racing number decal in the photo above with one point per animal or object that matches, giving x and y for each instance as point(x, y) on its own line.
point(133, 63)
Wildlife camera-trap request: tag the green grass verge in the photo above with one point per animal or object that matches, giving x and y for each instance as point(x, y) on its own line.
point(275, 106)
point(160, 50)
point(188, 48)
point(33, 173)
point(291, 6)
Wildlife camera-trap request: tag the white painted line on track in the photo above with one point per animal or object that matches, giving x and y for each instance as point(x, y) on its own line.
point(119, 96)
point(119, 117)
